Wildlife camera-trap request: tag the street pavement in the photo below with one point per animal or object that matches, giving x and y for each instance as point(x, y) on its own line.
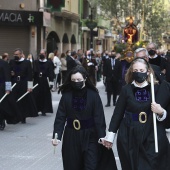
point(28, 146)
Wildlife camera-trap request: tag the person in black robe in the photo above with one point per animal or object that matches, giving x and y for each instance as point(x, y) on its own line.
point(43, 75)
point(80, 108)
point(163, 98)
point(21, 74)
point(113, 73)
point(134, 119)
point(10, 114)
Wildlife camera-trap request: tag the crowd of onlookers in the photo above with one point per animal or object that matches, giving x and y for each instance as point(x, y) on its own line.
point(59, 60)
point(108, 66)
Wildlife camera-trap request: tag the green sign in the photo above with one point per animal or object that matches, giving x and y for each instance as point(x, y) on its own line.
point(91, 24)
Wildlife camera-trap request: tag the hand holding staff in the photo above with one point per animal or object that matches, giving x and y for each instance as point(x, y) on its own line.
point(26, 93)
point(6, 93)
point(154, 115)
point(55, 138)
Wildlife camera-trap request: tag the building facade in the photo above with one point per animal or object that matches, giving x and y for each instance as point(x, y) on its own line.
point(20, 24)
point(64, 29)
point(33, 25)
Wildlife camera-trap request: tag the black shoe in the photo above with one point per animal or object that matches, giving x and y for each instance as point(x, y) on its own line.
point(43, 114)
point(2, 125)
point(107, 105)
point(23, 121)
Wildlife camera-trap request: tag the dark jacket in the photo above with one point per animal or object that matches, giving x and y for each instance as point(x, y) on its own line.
point(71, 63)
point(115, 73)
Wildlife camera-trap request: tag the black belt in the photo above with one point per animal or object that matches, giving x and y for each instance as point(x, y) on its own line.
point(141, 116)
point(80, 124)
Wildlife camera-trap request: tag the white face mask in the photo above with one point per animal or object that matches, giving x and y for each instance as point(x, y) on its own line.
point(69, 53)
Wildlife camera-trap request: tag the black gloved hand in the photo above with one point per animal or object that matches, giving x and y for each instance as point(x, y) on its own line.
point(51, 86)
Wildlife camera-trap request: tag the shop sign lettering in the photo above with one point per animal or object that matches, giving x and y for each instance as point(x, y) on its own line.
point(21, 18)
point(10, 17)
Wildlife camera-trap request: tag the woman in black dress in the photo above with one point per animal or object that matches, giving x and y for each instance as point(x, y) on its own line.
point(134, 118)
point(81, 109)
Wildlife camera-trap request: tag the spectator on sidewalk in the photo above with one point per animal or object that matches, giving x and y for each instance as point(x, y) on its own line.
point(63, 67)
point(57, 65)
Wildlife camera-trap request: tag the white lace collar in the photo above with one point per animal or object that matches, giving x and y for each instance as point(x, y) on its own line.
point(145, 83)
point(43, 60)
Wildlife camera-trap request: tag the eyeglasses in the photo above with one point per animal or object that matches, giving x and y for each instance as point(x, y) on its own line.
point(153, 48)
point(142, 56)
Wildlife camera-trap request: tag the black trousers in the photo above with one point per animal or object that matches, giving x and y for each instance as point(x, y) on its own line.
point(112, 89)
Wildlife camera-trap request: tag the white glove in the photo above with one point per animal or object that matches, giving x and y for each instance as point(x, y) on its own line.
point(110, 136)
point(90, 64)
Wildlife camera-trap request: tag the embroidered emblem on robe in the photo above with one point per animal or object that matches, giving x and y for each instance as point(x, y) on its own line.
point(142, 95)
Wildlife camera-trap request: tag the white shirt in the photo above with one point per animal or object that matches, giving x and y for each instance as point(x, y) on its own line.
point(57, 64)
point(155, 56)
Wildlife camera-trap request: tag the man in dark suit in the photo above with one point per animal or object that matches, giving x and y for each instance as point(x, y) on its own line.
point(154, 57)
point(90, 64)
point(71, 61)
point(113, 72)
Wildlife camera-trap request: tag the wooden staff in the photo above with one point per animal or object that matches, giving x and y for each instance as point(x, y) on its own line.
point(26, 93)
point(154, 114)
point(7, 93)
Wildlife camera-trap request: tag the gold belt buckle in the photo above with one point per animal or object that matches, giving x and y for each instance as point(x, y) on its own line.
point(76, 124)
point(140, 117)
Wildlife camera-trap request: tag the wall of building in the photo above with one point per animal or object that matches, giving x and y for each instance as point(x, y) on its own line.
point(30, 5)
point(65, 26)
point(17, 17)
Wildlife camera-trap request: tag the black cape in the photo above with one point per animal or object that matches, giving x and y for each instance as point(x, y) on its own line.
point(43, 75)
point(27, 104)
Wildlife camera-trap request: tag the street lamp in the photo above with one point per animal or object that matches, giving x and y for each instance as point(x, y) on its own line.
point(91, 24)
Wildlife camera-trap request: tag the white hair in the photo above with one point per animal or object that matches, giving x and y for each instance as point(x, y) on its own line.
point(139, 50)
point(154, 44)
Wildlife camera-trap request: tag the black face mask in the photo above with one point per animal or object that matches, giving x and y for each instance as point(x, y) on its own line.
point(16, 58)
point(152, 52)
point(113, 56)
point(77, 85)
point(140, 77)
point(41, 56)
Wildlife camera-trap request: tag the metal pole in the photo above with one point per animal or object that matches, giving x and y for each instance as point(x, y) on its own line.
point(91, 38)
point(91, 30)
